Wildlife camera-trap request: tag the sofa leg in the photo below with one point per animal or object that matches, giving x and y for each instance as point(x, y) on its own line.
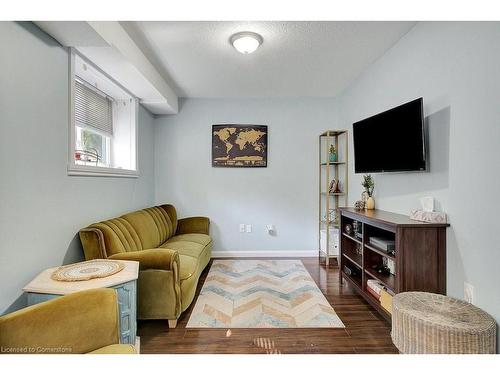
point(172, 323)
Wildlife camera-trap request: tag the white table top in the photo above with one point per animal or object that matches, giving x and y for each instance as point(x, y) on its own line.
point(44, 284)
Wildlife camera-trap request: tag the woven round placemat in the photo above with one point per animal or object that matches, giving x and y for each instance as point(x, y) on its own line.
point(433, 323)
point(91, 269)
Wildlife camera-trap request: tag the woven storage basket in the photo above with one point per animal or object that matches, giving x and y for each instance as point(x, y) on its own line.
point(433, 323)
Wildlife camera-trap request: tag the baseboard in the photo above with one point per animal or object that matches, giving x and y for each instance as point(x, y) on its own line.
point(265, 254)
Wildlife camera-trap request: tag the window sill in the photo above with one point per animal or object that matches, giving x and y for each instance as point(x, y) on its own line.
point(80, 170)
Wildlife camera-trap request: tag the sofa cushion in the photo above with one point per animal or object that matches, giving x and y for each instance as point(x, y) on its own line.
point(200, 238)
point(188, 286)
point(192, 249)
point(187, 266)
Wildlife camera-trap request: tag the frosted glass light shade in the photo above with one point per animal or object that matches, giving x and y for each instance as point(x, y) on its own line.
point(246, 42)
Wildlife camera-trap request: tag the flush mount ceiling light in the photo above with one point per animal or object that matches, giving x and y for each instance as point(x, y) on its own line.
point(246, 42)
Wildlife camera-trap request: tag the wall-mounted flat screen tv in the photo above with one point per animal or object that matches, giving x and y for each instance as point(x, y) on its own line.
point(392, 141)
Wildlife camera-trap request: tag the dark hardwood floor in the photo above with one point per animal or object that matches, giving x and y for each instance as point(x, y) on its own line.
point(365, 332)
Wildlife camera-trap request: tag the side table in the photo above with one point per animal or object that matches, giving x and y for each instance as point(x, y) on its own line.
point(428, 323)
point(42, 288)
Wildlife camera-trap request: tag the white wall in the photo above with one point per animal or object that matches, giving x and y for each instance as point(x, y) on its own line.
point(41, 207)
point(455, 67)
point(284, 194)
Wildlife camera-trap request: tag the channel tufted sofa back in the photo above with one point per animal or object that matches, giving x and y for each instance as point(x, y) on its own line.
point(138, 230)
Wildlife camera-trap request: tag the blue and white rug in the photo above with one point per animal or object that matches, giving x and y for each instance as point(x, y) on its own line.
point(261, 294)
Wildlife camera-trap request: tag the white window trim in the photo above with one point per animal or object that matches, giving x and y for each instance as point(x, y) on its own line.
point(89, 170)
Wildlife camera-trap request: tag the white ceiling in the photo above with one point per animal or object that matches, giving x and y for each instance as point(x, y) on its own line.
point(297, 59)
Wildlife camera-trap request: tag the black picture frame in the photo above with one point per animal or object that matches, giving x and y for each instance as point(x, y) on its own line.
point(218, 150)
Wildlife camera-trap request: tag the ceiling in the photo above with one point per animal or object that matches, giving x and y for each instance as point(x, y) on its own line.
point(297, 59)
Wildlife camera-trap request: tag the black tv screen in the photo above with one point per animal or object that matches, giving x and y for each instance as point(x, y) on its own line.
point(392, 141)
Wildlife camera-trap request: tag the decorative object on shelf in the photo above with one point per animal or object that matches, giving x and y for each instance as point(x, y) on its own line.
point(350, 271)
point(428, 323)
point(91, 269)
point(359, 205)
point(359, 249)
point(239, 145)
point(333, 154)
point(369, 185)
point(428, 217)
point(381, 268)
point(334, 187)
point(332, 217)
point(357, 227)
point(391, 266)
point(348, 229)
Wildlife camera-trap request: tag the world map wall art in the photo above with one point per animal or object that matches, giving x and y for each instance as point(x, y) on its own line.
point(239, 145)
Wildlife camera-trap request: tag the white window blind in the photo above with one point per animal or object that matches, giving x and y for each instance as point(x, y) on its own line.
point(92, 109)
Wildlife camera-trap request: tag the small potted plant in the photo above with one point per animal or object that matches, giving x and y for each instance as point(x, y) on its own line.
point(333, 154)
point(368, 184)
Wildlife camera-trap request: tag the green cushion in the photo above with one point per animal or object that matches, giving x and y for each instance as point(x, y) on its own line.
point(187, 266)
point(192, 249)
point(199, 238)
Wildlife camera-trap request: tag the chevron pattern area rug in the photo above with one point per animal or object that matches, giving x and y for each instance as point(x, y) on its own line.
point(261, 294)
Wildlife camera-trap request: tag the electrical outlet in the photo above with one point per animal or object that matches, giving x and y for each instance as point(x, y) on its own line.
point(468, 292)
point(242, 228)
point(249, 228)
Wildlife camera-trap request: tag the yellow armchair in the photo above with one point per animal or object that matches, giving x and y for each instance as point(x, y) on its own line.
point(82, 322)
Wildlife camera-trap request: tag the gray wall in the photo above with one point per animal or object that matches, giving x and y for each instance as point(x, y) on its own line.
point(284, 194)
point(455, 67)
point(41, 208)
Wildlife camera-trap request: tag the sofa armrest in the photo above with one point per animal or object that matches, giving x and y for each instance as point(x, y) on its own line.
point(93, 243)
point(75, 323)
point(159, 259)
point(196, 224)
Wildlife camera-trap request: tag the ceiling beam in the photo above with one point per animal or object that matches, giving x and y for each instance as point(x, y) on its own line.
point(109, 46)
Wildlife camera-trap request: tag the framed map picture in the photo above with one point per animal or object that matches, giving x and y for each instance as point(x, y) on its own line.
point(239, 145)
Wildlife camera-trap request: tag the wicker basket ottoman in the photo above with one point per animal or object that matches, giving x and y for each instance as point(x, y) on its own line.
point(433, 323)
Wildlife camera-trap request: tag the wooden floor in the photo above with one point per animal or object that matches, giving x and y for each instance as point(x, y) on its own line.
point(366, 331)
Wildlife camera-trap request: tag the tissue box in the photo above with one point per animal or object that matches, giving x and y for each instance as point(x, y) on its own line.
point(428, 217)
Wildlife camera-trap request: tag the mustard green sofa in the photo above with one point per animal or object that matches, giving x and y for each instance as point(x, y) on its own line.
point(81, 322)
point(172, 254)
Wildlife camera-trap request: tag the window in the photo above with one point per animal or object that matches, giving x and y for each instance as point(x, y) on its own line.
point(103, 123)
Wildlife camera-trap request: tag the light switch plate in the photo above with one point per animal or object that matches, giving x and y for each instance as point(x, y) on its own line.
point(249, 228)
point(242, 228)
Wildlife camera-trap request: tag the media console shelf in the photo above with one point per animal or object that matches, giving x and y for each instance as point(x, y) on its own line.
point(419, 255)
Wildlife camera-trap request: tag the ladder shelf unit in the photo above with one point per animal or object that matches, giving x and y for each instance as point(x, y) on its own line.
point(329, 202)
